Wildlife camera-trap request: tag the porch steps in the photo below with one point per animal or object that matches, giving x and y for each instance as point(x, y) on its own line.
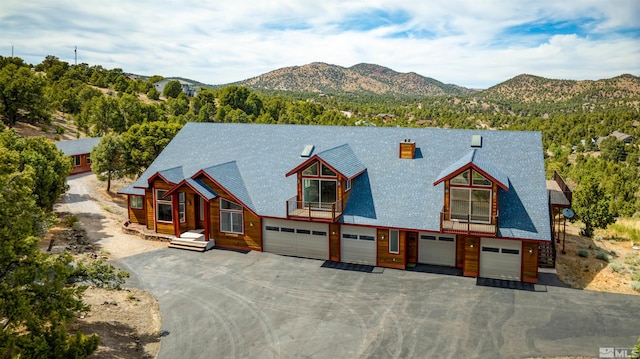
point(192, 241)
point(547, 255)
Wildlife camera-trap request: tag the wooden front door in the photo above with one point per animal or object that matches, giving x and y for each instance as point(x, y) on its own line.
point(412, 247)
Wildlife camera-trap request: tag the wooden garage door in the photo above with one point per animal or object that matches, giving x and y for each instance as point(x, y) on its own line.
point(300, 239)
point(437, 249)
point(358, 245)
point(500, 259)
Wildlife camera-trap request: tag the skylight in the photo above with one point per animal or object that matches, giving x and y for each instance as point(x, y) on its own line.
point(476, 141)
point(306, 152)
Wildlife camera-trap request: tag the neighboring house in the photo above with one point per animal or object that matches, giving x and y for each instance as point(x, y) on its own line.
point(390, 197)
point(80, 153)
point(619, 136)
point(187, 87)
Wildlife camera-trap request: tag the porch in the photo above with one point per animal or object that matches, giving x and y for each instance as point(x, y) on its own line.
point(190, 240)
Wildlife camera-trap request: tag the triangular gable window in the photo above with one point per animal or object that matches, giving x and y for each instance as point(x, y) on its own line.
point(311, 170)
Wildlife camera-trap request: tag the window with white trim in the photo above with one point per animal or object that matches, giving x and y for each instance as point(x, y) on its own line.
point(231, 217)
point(136, 202)
point(319, 193)
point(347, 185)
point(164, 207)
point(88, 159)
point(76, 161)
point(394, 242)
point(181, 206)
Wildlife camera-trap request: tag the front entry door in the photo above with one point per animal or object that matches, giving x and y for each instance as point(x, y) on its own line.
point(412, 247)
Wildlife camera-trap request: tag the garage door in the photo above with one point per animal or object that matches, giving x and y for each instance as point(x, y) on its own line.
point(436, 249)
point(358, 245)
point(300, 239)
point(500, 259)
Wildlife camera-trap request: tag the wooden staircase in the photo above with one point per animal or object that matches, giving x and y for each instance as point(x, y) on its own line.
point(192, 241)
point(547, 254)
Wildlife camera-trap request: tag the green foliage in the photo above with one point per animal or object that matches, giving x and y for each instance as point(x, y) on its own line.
point(613, 150)
point(636, 286)
point(107, 159)
point(603, 256)
point(50, 166)
point(39, 293)
point(616, 267)
point(22, 95)
point(635, 276)
point(142, 143)
point(153, 94)
point(172, 89)
point(592, 203)
point(583, 253)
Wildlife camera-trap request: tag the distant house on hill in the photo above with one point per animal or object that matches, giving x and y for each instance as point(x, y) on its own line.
point(80, 153)
point(187, 87)
point(619, 136)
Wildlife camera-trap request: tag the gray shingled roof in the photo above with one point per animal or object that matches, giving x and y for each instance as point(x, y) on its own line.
point(252, 161)
point(473, 157)
point(78, 147)
point(202, 188)
point(343, 160)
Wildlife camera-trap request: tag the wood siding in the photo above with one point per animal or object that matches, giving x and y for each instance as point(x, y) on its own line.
point(160, 227)
point(529, 262)
point(83, 167)
point(460, 252)
point(494, 204)
point(149, 208)
point(471, 256)
point(386, 259)
point(447, 196)
point(412, 247)
point(334, 242)
point(137, 215)
point(407, 150)
point(252, 225)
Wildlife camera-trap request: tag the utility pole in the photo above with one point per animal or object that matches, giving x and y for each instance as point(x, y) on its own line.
point(11, 50)
point(75, 51)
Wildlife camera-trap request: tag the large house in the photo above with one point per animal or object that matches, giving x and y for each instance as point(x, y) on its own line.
point(80, 153)
point(388, 197)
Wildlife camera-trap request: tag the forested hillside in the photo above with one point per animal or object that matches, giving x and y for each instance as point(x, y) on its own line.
point(572, 115)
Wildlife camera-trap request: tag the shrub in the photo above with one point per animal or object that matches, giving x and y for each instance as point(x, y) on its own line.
point(635, 285)
point(603, 256)
point(72, 221)
point(635, 276)
point(583, 253)
point(616, 267)
point(60, 130)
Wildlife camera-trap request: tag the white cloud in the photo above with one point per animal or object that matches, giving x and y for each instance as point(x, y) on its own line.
point(465, 42)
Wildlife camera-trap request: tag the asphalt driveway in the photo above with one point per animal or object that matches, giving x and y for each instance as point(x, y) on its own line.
point(224, 304)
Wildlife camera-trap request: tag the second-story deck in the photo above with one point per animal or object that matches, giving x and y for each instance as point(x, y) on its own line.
point(472, 226)
point(314, 211)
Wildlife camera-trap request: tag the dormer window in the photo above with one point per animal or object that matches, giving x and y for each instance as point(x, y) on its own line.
point(318, 192)
point(469, 203)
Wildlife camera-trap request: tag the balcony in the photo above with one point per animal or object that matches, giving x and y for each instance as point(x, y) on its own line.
point(469, 224)
point(313, 211)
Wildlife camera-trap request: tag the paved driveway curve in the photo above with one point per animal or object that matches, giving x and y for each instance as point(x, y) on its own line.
point(224, 304)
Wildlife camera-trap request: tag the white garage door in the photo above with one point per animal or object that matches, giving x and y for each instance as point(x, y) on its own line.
point(500, 259)
point(436, 249)
point(300, 239)
point(358, 245)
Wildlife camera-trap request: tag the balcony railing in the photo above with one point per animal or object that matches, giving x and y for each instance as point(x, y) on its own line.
point(468, 224)
point(318, 211)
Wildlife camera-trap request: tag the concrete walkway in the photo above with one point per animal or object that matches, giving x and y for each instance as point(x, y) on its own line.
point(225, 304)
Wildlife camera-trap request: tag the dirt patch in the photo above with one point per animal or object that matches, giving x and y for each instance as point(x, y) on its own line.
point(598, 264)
point(62, 128)
point(127, 321)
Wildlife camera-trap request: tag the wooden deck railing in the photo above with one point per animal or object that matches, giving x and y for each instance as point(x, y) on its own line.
point(320, 211)
point(468, 225)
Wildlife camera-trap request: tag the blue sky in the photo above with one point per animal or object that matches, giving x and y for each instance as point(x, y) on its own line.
point(470, 43)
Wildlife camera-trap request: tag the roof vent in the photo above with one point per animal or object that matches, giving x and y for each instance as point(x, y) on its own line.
point(407, 149)
point(306, 151)
point(476, 141)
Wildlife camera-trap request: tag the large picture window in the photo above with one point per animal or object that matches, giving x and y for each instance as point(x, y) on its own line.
point(164, 208)
point(319, 193)
point(231, 217)
point(469, 203)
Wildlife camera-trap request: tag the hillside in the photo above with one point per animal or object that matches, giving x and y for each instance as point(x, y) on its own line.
point(319, 77)
point(534, 89)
